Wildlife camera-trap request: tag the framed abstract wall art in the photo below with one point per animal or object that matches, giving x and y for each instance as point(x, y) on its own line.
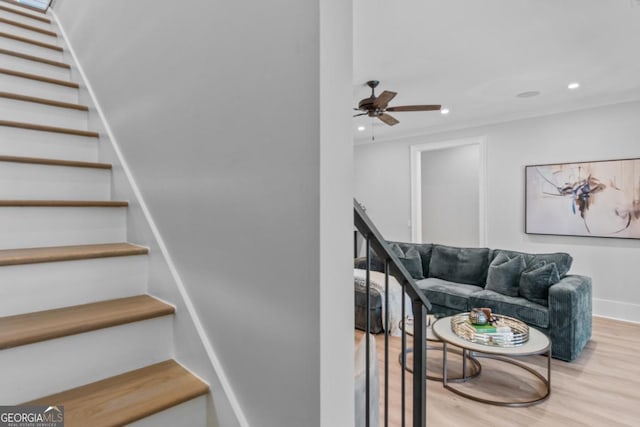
point(597, 199)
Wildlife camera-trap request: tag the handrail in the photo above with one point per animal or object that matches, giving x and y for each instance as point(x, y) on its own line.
point(381, 248)
point(420, 305)
point(35, 5)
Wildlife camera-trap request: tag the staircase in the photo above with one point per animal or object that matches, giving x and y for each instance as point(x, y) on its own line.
point(77, 328)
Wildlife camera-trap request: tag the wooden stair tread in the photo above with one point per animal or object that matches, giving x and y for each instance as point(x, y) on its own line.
point(31, 41)
point(34, 58)
point(44, 101)
point(29, 328)
point(39, 78)
point(68, 253)
point(65, 203)
point(27, 27)
point(28, 15)
point(128, 397)
point(43, 128)
point(26, 6)
point(54, 162)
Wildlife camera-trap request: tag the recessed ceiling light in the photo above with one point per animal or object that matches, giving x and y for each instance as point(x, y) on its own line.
point(444, 111)
point(528, 94)
point(361, 128)
point(573, 86)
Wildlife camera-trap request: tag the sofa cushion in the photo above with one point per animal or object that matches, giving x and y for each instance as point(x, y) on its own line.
point(520, 308)
point(410, 259)
point(536, 281)
point(461, 265)
point(447, 294)
point(504, 274)
point(562, 260)
point(424, 249)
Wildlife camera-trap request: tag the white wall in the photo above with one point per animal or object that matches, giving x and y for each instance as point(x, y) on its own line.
point(382, 177)
point(336, 216)
point(217, 110)
point(450, 196)
point(610, 132)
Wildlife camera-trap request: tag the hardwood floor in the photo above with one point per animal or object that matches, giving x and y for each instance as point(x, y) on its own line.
point(600, 388)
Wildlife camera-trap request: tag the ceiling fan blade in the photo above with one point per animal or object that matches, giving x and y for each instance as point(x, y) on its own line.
point(415, 108)
point(361, 114)
point(383, 100)
point(388, 119)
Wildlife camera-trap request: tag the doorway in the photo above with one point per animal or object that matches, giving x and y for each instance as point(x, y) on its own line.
point(448, 191)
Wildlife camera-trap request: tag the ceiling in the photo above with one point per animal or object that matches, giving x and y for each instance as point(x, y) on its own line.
point(474, 57)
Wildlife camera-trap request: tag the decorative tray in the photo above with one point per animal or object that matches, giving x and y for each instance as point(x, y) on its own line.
point(502, 331)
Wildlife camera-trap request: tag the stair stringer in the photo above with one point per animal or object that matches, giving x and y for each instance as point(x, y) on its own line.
point(223, 407)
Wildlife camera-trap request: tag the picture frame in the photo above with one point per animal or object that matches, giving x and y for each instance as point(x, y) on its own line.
point(596, 199)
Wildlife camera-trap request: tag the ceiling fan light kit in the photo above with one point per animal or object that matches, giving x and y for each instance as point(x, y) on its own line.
point(378, 106)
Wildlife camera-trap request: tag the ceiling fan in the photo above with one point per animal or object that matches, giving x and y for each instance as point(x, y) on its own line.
point(377, 106)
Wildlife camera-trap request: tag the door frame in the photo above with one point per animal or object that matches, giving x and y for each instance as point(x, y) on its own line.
point(416, 184)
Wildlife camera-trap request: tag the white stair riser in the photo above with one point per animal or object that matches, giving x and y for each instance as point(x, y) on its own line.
point(33, 112)
point(34, 67)
point(24, 19)
point(32, 227)
point(64, 363)
point(36, 287)
point(37, 88)
point(192, 413)
point(50, 145)
point(29, 34)
point(27, 181)
point(31, 49)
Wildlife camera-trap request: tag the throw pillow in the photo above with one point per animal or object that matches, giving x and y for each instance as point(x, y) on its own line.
point(424, 249)
point(410, 259)
point(460, 265)
point(504, 274)
point(536, 281)
point(563, 260)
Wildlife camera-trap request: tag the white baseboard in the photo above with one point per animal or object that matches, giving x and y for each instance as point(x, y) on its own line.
point(616, 310)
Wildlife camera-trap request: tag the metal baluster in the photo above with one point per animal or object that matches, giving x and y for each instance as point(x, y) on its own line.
point(419, 364)
point(386, 344)
point(367, 332)
point(404, 354)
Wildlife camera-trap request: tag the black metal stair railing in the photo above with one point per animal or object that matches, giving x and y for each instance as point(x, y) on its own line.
point(373, 241)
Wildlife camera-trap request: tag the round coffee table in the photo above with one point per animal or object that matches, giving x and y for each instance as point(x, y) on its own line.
point(431, 337)
point(538, 343)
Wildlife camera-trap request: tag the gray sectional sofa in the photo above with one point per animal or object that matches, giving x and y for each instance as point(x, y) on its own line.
point(535, 288)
